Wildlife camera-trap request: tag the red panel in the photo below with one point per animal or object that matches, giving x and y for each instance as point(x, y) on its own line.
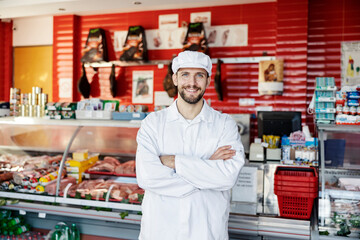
point(306, 34)
point(330, 23)
point(6, 60)
point(66, 54)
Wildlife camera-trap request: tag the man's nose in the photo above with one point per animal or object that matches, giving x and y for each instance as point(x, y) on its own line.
point(193, 79)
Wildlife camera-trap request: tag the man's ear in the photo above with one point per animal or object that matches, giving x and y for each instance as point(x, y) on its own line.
point(208, 81)
point(175, 80)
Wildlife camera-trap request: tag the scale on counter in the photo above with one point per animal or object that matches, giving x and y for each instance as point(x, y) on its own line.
point(256, 151)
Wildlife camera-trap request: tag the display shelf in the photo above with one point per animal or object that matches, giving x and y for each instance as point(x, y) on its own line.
point(27, 196)
point(104, 204)
point(338, 128)
point(269, 227)
point(165, 62)
point(69, 122)
point(342, 194)
point(73, 212)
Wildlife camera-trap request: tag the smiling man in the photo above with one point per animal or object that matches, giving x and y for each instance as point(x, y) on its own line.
point(188, 158)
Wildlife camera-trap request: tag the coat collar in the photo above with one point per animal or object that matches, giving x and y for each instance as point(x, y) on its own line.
point(204, 115)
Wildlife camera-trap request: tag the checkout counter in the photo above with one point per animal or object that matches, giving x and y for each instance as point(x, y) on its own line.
point(254, 206)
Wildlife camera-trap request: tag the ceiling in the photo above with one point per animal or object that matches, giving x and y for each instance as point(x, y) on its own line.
point(10, 9)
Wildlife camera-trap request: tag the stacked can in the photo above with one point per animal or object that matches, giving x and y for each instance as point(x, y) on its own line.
point(33, 104)
point(14, 101)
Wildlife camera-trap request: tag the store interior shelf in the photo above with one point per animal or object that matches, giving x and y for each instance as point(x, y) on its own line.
point(282, 228)
point(68, 122)
point(165, 62)
point(26, 196)
point(73, 212)
point(103, 204)
point(342, 194)
point(339, 128)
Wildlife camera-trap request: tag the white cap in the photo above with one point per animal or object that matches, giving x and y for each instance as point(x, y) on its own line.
point(192, 59)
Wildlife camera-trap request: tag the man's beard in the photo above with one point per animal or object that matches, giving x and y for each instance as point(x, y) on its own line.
point(188, 99)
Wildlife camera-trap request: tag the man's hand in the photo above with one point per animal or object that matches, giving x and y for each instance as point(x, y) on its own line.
point(168, 160)
point(224, 153)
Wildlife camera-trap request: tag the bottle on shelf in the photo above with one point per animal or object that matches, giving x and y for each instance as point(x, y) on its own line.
point(15, 221)
point(67, 233)
point(75, 233)
point(57, 234)
point(21, 229)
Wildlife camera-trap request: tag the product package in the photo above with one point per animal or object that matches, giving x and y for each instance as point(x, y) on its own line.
point(135, 47)
point(95, 48)
point(195, 39)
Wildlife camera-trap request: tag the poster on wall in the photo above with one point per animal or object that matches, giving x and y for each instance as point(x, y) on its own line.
point(350, 63)
point(143, 86)
point(217, 36)
point(119, 40)
point(165, 39)
point(271, 77)
point(203, 17)
point(227, 35)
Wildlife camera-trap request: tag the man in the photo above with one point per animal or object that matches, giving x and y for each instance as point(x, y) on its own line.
point(188, 158)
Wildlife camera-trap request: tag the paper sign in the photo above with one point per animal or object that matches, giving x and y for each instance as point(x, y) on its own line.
point(204, 17)
point(22, 212)
point(264, 108)
point(42, 215)
point(163, 99)
point(246, 185)
point(65, 88)
point(169, 21)
point(246, 101)
point(119, 40)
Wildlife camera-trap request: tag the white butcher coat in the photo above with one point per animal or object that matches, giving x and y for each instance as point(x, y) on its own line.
point(191, 202)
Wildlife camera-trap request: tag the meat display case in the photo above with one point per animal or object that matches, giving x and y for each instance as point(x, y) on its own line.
point(33, 136)
point(339, 198)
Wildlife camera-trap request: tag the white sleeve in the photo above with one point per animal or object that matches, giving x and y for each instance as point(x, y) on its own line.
point(151, 174)
point(214, 174)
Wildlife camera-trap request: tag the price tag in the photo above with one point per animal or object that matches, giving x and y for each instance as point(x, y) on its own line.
point(88, 114)
point(99, 114)
point(22, 212)
point(42, 215)
point(160, 66)
point(136, 115)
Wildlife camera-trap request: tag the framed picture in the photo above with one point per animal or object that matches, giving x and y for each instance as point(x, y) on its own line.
point(271, 77)
point(143, 86)
point(350, 63)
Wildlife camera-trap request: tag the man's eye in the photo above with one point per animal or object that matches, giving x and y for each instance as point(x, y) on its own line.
point(184, 74)
point(200, 75)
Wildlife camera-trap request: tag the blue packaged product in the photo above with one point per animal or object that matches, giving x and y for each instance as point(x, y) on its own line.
point(353, 95)
point(353, 102)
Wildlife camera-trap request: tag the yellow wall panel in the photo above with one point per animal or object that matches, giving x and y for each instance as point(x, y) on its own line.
point(33, 68)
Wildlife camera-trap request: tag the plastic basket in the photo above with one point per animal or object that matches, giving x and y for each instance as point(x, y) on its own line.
point(296, 189)
point(296, 174)
point(312, 183)
point(295, 207)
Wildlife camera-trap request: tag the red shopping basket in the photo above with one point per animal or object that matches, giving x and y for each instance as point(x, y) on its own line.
point(296, 189)
point(295, 207)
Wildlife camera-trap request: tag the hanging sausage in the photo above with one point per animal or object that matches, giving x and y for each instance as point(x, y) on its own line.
point(217, 80)
point(168, 83)
point(113, 83)
point(83, 84)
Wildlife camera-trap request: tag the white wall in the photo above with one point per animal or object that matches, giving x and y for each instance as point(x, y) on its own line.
point(33, 31)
